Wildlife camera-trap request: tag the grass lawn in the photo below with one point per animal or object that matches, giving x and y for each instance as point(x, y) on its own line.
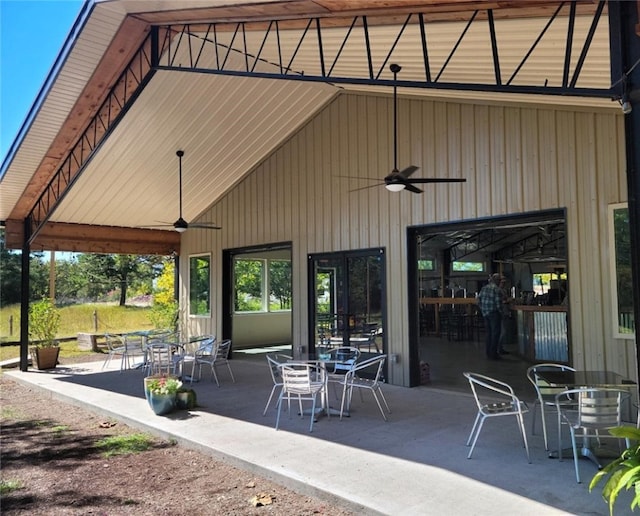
point(76, 319)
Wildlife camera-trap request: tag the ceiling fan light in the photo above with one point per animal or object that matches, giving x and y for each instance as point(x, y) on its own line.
point(394, 187)
point(180, 229)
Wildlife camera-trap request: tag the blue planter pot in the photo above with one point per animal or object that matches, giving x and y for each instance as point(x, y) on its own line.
point(162, 404)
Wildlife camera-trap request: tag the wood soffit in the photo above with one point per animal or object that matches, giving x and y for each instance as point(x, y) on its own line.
point(84, 238)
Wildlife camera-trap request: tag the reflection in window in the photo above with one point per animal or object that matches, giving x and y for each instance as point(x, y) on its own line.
point(199, 285)
point(621, 270)
point(262, 285)
point(458, 266)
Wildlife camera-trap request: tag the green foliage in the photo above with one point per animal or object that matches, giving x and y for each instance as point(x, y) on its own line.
point(164, 312)
point(8, 486)
point(124, 444)
point(199, 285)
point(280, 283)
point(44, 323)
point(164, 292)
point(623, 472)
point(164, 315)
point(164, 385)
point(248, 276)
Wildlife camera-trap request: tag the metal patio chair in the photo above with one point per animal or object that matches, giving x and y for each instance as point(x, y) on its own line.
point(494, 399)
point(546, 395)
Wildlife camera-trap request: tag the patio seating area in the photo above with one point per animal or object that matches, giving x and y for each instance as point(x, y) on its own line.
point(418, 457)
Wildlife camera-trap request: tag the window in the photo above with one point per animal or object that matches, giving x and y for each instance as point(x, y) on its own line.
point(467, 266)
point(426, 265)
point(200, 285)
point(620, 250)
point(262, 285)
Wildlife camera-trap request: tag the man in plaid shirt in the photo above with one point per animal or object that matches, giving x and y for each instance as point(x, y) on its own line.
point(490, 301)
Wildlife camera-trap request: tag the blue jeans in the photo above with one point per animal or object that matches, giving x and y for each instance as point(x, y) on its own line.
point(493, 325)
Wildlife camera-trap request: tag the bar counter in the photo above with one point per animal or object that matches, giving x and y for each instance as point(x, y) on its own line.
point(542, 332)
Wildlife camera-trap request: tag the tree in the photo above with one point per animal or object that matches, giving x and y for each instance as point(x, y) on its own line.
point(280, 282)
point(11, 275)
point(164, 312)
point(108, 272)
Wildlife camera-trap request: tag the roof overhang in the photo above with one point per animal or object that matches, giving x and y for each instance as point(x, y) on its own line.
point(227, 123)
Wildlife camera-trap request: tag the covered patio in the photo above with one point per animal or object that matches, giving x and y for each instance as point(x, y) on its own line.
point(419, 454)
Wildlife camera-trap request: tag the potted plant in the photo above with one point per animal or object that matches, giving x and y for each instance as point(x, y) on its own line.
point(186, 399)
point(162, 392)
point(623, 472)
point(44, 322)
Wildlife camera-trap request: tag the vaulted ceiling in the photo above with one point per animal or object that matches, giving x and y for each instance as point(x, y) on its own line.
point(228, 121)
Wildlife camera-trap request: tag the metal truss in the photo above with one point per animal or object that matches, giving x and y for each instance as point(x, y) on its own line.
point(243, 50)
point(118, 101)
point(274, 52)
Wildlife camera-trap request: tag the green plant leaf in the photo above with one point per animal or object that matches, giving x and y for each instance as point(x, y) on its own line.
point(626, 432)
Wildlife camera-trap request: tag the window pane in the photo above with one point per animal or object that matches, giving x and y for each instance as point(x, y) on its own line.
point(624, 294)
point(279, 285)
point(199, 285)
point(467, 266)
point(249, 276)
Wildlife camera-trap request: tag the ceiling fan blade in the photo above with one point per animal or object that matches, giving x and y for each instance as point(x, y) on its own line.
point(203, 225)
point(360, 178)
point(366, 187)
point(412, 188)
point(424, 180)
point(407, 172)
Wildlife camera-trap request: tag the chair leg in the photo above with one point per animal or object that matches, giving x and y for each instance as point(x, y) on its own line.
point(473, 428)
point(313, 412)
point(544, 427)
point(233, 379)
point(266, 407)
point(279, 408)
point(473, 444)
point(214, 376)
point(524, 435)
point(575, 453)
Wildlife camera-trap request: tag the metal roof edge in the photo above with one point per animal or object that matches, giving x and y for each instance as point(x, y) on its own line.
point(70, 41)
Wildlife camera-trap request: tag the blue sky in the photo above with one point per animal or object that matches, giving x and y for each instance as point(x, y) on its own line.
point(32, 33)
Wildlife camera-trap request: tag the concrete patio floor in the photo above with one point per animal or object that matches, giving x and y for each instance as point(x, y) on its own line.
point(413, 464)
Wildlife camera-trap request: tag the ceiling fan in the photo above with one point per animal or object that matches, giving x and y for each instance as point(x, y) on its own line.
point(182, 225)
point(399, 180)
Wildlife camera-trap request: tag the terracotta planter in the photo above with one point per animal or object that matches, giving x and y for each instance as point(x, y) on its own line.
point(45, 358)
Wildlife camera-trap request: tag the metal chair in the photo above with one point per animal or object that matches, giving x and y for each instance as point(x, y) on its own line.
point(352, 380)
point(222, 357)
point(300, 382)
point(205, 355)
point(596, 409)
point(188, 353)
point(494, 399)
point(115, 346)
point(546, 395)
point(275, 360)
point(341, 360)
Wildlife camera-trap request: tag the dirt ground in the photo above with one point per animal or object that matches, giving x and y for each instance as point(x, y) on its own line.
point(48, 450)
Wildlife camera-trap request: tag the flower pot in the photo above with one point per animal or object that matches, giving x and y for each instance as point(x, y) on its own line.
point(186, 399)
point(162, 404)
point(148, 379)
point(45, 358)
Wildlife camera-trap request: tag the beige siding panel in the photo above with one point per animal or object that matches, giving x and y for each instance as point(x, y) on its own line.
point(515, 159)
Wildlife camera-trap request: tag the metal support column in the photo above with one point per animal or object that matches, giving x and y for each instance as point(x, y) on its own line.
point(625, 16)
point(24, 300)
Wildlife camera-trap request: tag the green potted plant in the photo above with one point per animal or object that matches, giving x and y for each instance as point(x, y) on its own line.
point(44, 322)
point(623, 472)
point(162, 392)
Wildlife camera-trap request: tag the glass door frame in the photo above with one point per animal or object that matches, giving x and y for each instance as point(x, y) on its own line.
point(343, 257)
